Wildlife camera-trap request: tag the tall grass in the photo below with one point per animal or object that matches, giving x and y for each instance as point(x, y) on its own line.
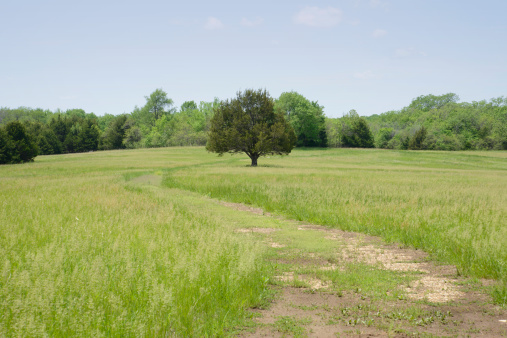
point(453, 205)
point(82, 253)
point(84, 250)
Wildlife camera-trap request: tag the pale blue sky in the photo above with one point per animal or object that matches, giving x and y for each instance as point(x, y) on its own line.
point(369, 55)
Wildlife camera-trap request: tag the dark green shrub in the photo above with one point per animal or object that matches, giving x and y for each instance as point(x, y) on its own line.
point(6, 147)
point(17, 145)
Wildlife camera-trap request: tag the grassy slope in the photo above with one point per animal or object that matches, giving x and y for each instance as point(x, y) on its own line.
point(452, 204)
point(86, 250)
point(84, 253)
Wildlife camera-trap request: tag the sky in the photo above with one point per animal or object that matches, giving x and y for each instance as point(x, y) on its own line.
point(369, 55)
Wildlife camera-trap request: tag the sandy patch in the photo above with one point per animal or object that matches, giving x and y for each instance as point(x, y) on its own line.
point(314, 283)
point(434, 283)
point(434, 289)
point(256, 230)
point(387, 258)
point(286, 277)
point(332, 267)
point(317, 284)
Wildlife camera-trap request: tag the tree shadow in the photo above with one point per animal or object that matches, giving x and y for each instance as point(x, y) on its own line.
point(265, 166)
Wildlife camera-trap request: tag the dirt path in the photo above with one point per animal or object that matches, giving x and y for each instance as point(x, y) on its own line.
point(326, 293)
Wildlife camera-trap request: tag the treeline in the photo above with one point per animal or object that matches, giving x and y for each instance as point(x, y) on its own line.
point(429, 123)
point(156, 124)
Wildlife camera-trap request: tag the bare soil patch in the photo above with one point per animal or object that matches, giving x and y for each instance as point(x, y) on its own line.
point(330, 315)
point(444, 305)
point(437, 282)
point(256, 230)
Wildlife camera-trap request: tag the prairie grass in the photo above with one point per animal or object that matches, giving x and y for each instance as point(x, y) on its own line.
point(91, 245)
point(452, 204)
point(82, 253)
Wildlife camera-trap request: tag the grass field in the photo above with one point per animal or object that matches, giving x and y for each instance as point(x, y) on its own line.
point(452, 204)
point(82, 253)
point(129, 242)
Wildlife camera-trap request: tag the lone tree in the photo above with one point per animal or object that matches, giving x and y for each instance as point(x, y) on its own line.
point(249, 124)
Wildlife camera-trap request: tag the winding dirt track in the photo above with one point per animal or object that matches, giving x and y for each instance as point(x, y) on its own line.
point(458, 310)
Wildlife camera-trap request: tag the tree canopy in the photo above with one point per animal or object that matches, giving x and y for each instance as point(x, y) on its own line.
point(16, 146)
point(249, 124)
point(430, 122)
point(306, 117)
point(435, 122)
point(428, 102)
point(356, 132)
point(158, 103)
point(441, 123)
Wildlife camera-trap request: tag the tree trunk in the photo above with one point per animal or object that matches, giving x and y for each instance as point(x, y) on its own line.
point(254, 160)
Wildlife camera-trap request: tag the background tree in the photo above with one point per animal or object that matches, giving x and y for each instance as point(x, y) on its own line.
point(104, 121)
point(383, 137)
point(71, 143)
point(449, 125)
point(188, 127)
point(188, 105)
point(428, 102)
point(355, 132)
point(416, 142)
point(249, 124)
point(20, 145)
point(88, 136)
point(60, 127)
point(53, 144)
point(113, 136)
point(333, 132)
point(7, 147)
point(45, 138)
point(158, 104)
point(132, 138)
point(306, 117)
point(160, 132)
point(207, 109)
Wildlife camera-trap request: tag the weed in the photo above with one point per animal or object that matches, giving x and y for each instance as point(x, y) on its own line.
point(291, 325)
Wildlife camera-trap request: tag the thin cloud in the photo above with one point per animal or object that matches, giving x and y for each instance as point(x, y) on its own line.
point(408, 52)
point(213, 23)
point(318, 17)
point(251, 23)
point(378, 33)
